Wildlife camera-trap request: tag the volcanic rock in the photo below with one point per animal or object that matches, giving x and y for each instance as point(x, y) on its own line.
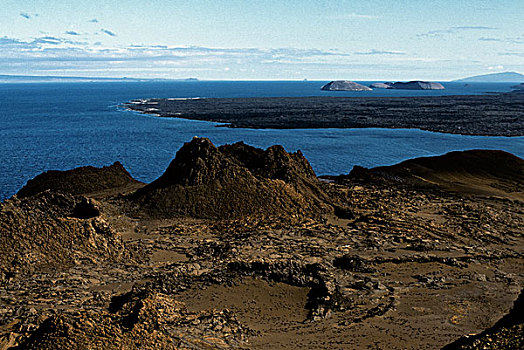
point(41, 231)
point(78, 181)
point(344, 85)
point(232, 181)
point(518, 86)
point(147, 321)
point(417, 85)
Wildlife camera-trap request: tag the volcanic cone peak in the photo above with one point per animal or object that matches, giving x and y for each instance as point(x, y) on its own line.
point(232, 181)
point(198, 162)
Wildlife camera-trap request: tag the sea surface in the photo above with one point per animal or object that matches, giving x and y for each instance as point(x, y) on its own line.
point(46, 126)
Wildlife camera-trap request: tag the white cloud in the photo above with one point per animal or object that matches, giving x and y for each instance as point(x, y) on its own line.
point(454, 30)
point(380, 52)
point(499, 67)
point(356, 16)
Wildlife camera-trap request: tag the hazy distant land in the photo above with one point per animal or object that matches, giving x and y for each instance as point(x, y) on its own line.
point(505, 77)
point(69, 79)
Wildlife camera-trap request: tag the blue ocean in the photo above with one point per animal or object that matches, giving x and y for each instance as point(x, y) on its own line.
point(46, 126)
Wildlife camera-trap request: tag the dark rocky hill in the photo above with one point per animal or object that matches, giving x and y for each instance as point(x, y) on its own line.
point(482, 172)
point(232, 181)
point(78, 181)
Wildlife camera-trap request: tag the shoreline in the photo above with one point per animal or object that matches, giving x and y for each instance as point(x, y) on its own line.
point(474, 115)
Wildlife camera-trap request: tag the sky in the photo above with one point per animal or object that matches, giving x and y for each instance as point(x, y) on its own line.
point(262, 40)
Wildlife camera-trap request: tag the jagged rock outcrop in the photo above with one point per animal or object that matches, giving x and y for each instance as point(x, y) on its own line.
point(78, 181)
point(518, 86)
point(53, 230)
point(145, 321)
point(417, 85)
point(232, 181)
point(344, 85)
point(506, 334)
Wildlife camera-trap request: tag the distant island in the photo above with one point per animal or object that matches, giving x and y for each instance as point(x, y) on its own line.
point(505, 77)
point(344, 85)
point(69, 79)
point(410, 85)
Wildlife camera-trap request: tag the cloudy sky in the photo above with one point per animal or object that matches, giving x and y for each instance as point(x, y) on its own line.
point(264, 39)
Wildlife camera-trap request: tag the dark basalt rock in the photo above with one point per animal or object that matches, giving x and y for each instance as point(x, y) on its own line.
point(86, 209)
point(78, 181)
point(518, 86)
point(344, 85)
point(232, 181)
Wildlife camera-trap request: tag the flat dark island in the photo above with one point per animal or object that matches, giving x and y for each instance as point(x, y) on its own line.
point(492, 114)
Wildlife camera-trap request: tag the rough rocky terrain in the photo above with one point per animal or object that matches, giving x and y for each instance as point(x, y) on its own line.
point(495, 114)
point(401, 257)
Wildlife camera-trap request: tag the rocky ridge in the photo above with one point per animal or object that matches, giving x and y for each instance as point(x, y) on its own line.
point(83, 180)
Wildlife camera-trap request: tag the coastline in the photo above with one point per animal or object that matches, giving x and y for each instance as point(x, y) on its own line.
point(478, 115)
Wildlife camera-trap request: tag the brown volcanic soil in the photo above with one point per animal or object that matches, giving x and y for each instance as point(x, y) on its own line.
point(496, 114)
point(407, 264)
point(507, 333)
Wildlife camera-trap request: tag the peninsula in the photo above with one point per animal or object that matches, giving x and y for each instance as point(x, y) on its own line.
point(496, 114)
